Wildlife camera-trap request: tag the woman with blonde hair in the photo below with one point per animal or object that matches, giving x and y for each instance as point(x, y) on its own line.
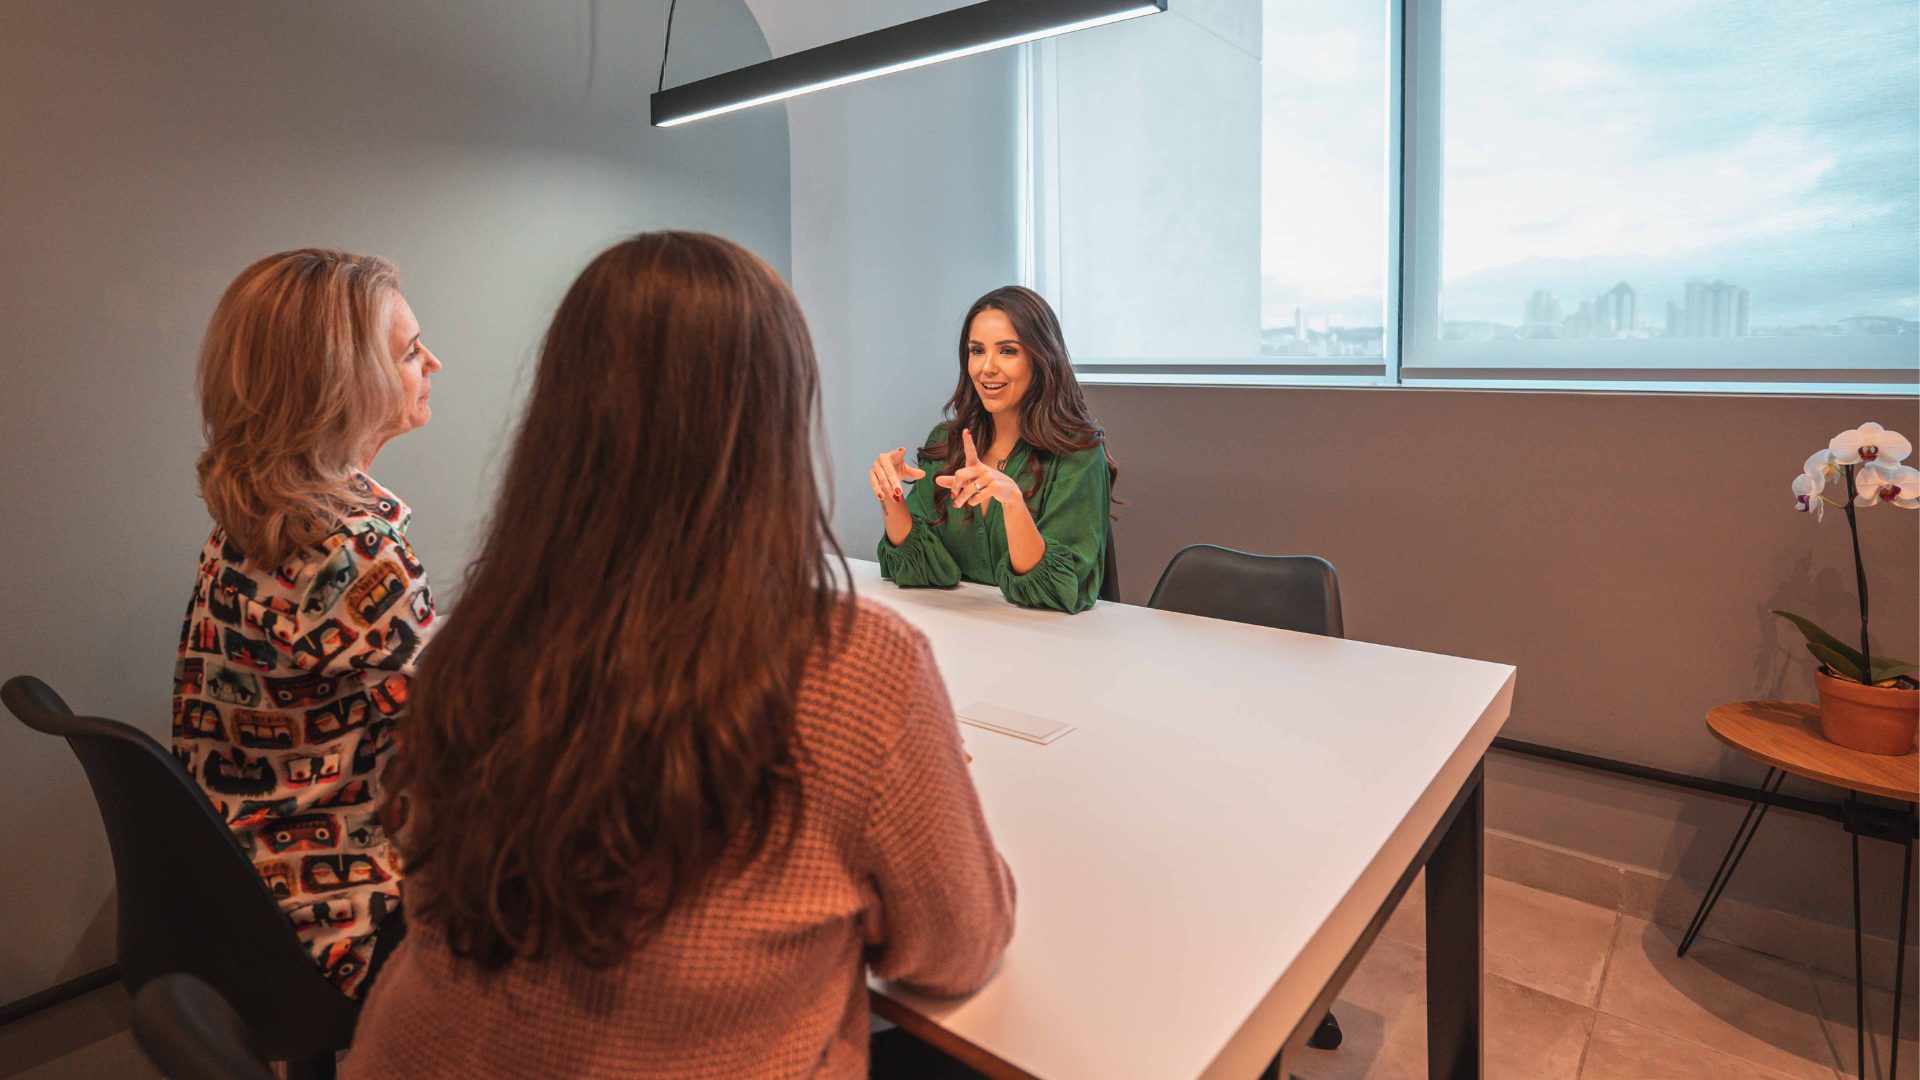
point(309, 606)
point(677, 790)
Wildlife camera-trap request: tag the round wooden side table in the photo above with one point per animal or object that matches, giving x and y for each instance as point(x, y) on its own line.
point(1785, 737)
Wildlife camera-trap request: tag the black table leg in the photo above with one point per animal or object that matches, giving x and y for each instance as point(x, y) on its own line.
point(1900, 952)
point(1454, 910)
point(1859, 966)
point(1749, 826)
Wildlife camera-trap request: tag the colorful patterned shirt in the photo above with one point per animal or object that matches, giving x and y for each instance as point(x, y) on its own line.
point(285, 696)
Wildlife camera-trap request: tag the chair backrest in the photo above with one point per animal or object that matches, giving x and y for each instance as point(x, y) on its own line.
point(190, 899)
point(1110, 571)
point(1288, 592)
point(193, 1033)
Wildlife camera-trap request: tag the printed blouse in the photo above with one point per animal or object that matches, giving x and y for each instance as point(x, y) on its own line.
point(285, 695)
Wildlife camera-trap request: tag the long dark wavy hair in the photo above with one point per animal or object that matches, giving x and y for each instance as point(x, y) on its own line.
point(607, 720)
point(1053, 413)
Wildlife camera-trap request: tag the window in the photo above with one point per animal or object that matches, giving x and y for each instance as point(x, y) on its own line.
point(1606, 194)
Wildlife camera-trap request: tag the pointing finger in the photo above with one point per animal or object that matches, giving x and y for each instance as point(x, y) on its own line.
point(973, 457)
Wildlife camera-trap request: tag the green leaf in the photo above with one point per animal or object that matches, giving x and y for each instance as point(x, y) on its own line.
point(1841, 666)
point(1816, 636)
point(1889, 669)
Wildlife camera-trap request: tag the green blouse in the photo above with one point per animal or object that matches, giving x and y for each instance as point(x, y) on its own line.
point(1070, 507)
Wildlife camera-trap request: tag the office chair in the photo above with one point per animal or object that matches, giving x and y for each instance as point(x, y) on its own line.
point(190, 900)
point(193, 1033)
point(1287, 592)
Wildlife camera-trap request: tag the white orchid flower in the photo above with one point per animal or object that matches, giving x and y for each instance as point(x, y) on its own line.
point(1806, 495)
point(1870, 443)
point(1897, 484)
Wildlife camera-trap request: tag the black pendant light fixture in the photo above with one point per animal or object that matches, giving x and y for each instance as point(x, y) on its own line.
point(976, 28)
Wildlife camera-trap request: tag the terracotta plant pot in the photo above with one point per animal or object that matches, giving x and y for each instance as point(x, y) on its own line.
point(1873, 719)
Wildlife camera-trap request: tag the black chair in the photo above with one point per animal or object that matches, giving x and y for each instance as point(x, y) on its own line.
point(1287, 592)
point(190, 900)
point(192, 1033)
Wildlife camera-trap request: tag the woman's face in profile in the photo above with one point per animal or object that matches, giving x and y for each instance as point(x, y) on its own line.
point(416, 364)
point(996, 361)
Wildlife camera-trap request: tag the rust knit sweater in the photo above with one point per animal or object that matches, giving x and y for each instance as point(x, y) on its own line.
point(763, 975)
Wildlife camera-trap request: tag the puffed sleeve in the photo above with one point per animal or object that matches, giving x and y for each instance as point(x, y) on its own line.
point(1072, 519)
point(921, 559)
point(943, 897)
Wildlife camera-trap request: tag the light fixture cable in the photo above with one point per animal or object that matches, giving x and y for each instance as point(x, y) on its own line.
point(666, 45)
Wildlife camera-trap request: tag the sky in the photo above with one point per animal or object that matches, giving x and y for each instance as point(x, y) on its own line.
point(1774, 144)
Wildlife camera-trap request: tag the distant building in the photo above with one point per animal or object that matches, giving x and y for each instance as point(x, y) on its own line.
point(1715, 309)
point(1614, 313)
point(1543, 309)
point(1878, 324)
point(1676, 320)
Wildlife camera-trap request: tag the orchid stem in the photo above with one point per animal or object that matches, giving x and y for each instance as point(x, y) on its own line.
point(1860, 576)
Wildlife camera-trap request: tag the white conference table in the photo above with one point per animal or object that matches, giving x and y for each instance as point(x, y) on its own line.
point(1204, 859)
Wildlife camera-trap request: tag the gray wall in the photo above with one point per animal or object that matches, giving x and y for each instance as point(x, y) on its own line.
point(150, 151)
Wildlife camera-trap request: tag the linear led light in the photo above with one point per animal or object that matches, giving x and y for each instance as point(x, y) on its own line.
point(949, 35)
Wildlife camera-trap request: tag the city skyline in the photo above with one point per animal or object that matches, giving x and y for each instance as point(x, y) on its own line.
point(1707, 309)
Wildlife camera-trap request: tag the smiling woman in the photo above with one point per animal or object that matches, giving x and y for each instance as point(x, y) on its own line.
point(1025, 482)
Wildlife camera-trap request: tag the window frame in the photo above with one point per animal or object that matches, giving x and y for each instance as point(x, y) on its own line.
point(1414, 354)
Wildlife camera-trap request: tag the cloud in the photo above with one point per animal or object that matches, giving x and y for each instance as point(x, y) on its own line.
point(1773, 142)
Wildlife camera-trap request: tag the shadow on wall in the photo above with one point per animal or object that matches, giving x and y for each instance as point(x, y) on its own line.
point(1779, 661)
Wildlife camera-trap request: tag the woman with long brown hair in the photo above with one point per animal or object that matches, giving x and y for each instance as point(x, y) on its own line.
point(670, 788)
point(309, 605)
point(1025, 483)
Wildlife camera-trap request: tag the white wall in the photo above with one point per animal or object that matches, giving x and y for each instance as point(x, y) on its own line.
point(1154, 123)
point(150, 151)
point(903, 214)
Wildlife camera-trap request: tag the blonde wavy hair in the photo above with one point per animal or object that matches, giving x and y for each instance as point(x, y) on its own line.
point(297, 389)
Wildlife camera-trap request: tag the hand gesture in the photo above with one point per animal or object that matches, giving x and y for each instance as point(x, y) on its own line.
point(887, 471)
point(976, 483)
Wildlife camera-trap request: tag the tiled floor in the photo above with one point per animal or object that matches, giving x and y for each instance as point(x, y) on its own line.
point(1578, 991)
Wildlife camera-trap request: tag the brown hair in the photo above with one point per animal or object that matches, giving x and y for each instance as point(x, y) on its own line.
point(608, 717)
point(297, 388)
point(1053, 413)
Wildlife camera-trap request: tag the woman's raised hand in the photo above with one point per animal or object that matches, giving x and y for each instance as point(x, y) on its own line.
point(886, 474)
point(976, 483)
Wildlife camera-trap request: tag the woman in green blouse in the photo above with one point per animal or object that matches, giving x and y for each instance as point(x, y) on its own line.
point(1024, 481)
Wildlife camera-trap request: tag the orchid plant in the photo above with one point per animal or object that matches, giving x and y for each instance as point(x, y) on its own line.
point(1867, 461)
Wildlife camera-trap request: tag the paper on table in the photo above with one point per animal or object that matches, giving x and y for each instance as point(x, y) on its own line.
point(1012, 722)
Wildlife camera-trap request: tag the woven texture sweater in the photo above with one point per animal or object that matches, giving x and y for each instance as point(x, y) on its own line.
point(764, 973)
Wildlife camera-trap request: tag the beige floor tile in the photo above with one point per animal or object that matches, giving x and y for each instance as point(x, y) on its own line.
point(1382, 1014)
point(1837, 1001)
point(1621, 1050)
point(1408, 923)
point(1382, 1010)
point(1540, 939)
point(1552, 943)
point(1722, 997)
